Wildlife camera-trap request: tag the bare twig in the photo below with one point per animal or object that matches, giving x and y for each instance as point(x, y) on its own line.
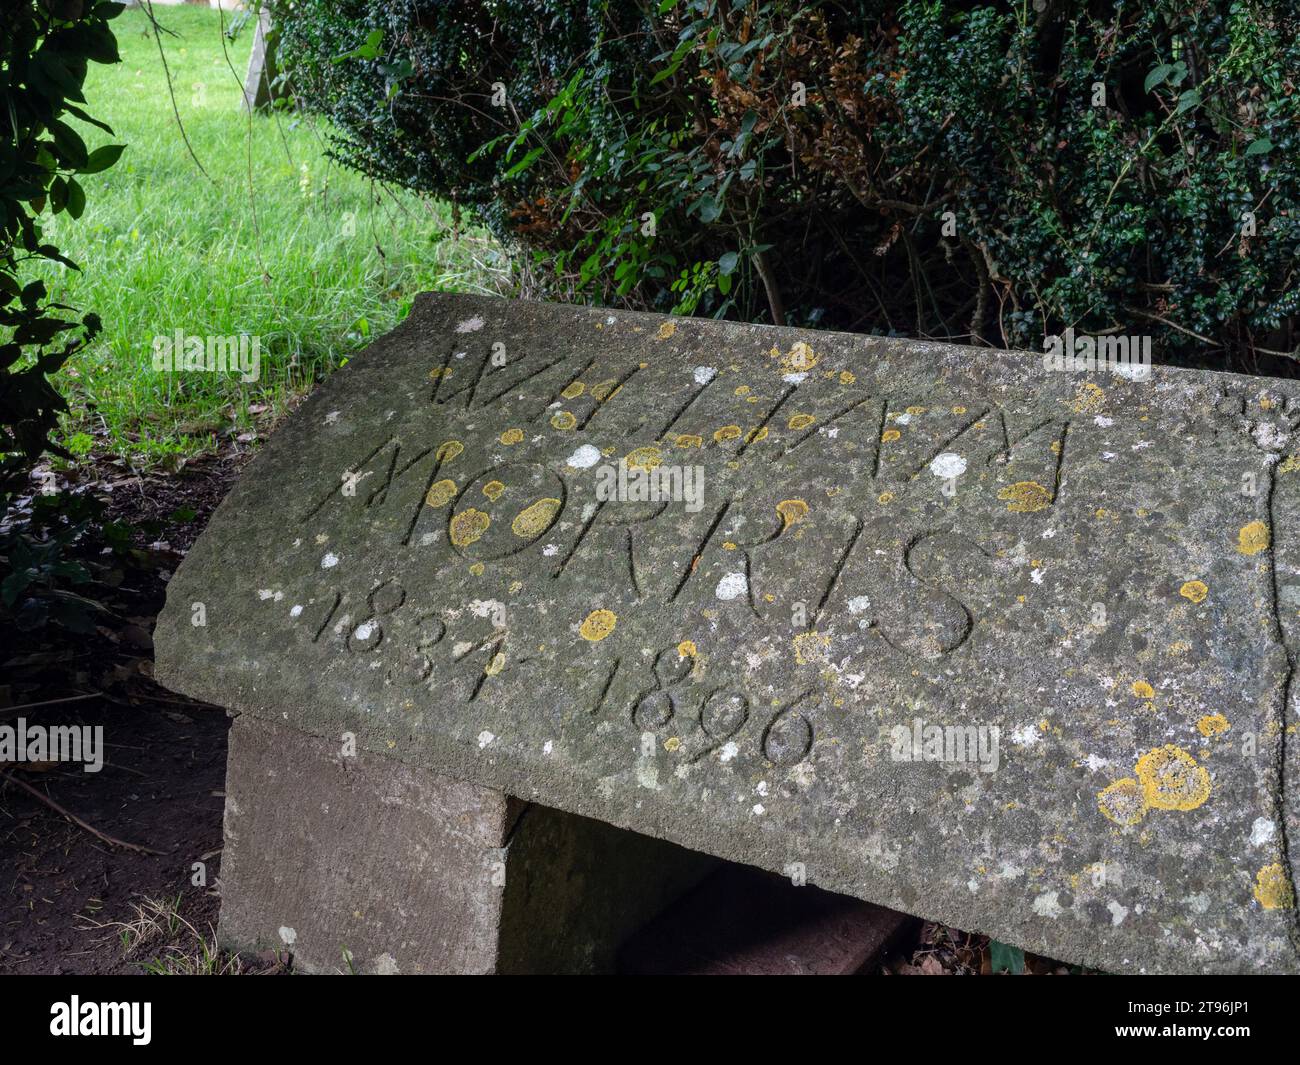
point(171, 92)
point(112, 841)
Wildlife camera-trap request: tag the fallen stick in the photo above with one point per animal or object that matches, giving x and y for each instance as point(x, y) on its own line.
point(112, 841)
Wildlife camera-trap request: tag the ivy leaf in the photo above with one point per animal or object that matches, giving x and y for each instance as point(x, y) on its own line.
point(1187, 101)
point(1005, 958)
point(369, 50)
point(1259, 147)
point(727, 264)
point(1157, 75)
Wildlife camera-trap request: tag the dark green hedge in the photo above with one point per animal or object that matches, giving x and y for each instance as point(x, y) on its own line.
point(1097, 158)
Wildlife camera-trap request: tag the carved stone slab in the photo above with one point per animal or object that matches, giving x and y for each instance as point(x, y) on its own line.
point(930, 625)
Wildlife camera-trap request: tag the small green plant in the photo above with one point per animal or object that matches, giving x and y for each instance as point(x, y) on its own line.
point(39, 577)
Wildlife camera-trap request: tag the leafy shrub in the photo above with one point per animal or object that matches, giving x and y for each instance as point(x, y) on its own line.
point(45, 46)
point(910, 166)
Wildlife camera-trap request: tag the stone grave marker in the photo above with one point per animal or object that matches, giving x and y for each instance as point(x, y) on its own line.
point(936, 627)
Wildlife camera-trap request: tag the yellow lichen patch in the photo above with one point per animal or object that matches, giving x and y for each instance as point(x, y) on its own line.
point(1196, 591)
point(689, 440)
point(667, 329)
point(672, 743)
point(791, 511)
point(1123, 802)
point(755, 435)
point(915, 410)
point(497, 664)
point(1143, 690)
point(468, 526)
point(644, 458)
point(686, 649)
point(1273, 888)
point(885, 497)
point(1289, 464)
point(811, 646)
point(573, 390)
point(742, 390)
point(448, 450)
point(800, 421)
point(727, 432)
point(799, 359)
point(598, 625)
point(889, 436)
point(959, 410)
point(563, 419)
point(493, 490)
point(1171, 779)
point(847, 377)
point(1212, 725)
point(439, 372)
point(1088, 398)
point(728, 545)
point(477, 569)
point(535, 518)
point(511, 436)
point(1252, 538)
point(441, 493)
point(1025, 497)
point(604, 390)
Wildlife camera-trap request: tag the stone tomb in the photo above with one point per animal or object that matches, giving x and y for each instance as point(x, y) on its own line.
point(927, 625)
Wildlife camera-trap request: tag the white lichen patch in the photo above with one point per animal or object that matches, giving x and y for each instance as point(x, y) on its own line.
point(732, 586)
point(948, 465)
point(470, 325)
point(487, 608)
point(1262, 832)
point(484, 738)
point(704, 374)
point(329, 561)
point(584, 458)
point(1046, 905)
point(1025, 736)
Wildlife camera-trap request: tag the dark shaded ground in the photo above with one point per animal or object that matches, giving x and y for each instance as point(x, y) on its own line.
point(61, 887)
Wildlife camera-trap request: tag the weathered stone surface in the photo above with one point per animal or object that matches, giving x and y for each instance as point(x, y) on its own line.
point(366, 864)
point(1101, 585)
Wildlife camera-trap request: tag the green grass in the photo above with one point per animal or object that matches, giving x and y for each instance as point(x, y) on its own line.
point(313, 259)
